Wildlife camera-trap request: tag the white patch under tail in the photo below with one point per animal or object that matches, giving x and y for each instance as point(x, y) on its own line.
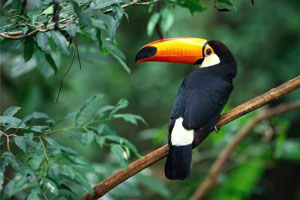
point(181, 136)
point(210, 60)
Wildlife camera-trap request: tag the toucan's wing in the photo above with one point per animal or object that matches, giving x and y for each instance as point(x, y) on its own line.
point(200, 105)
point(205, 103)
point(199, 110)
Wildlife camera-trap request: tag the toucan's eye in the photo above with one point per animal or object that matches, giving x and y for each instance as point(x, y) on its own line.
point(208, 52)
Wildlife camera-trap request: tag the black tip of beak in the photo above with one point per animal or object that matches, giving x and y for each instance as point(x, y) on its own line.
point(145, 52)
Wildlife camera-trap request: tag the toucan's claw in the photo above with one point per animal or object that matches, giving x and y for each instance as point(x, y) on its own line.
point(217, 129)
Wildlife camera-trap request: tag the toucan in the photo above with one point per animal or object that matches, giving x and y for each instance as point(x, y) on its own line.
point(201, 97)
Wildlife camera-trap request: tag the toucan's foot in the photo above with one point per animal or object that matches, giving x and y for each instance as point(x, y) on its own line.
point(217, 129)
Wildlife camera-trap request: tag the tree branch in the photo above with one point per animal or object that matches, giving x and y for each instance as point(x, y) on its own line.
point(17, 35)
point(160, 153)
point(211, 180)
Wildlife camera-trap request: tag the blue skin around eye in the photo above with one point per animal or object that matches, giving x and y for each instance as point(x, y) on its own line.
point(208, 52)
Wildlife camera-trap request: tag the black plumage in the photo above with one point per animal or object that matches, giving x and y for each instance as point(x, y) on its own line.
point(199, 102)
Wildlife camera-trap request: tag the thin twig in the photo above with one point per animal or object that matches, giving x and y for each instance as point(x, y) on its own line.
point(160, 153)
point(77, 52)
point(7, 140)
point(44, 149)
point(211, 180)
point(61, 82)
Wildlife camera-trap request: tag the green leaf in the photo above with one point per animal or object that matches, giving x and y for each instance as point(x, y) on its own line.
point(8, 157)
point(132, 147)
point(19, 183)
point(42, 41)
point(102, 111)
point(87, 137)
point(71, 29)
point(109, 22)
point(28, 48)
point(114, 138)
point(34, 115)
point(192, 5)
point(123, 103)
point(99, 24)
point(109, 131)
point(11, 111)
point(51, 62)
point(80, 160)
point(124, 65)
point(42, 64)
point(55, 173)
point(153, 21)
point(87, 103)
point(75, 134)
point(119, 13)
point(14, 186)
point(100, 140)
point(50, 187)
point(49, 10)
point(24, 141)
point(61, 42)
point(36, 160)
point(21, 143)
point(34, 194)
point(115, 51)
point(11, 122)
point(122, 140)
point(122, 156)
point(131, 118)
point(99, 4)
point(74, 175)
point(167, 20)
point(84, 18)
point(58, 146)
point(39, 129)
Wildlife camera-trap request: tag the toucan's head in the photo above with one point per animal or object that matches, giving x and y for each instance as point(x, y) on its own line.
point(197, 51)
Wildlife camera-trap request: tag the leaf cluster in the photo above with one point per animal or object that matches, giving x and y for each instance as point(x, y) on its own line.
point(34, 164)
point(57, 39)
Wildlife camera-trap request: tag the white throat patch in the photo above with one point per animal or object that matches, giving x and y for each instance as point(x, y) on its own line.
point(210, 60)
point(181, 136)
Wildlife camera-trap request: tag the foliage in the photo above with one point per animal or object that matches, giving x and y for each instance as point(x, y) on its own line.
point(35, 165)
point(85, 18)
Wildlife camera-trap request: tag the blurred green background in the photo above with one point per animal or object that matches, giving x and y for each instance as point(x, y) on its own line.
point(265, 39)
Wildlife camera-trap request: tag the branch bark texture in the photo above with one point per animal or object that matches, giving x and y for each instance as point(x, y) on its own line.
point(211, 180)
point(160, 153)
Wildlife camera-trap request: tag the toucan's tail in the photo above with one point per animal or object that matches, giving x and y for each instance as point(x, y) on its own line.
point(178, 163)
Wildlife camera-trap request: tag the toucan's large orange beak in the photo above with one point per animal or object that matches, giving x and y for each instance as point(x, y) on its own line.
point(177, 50)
